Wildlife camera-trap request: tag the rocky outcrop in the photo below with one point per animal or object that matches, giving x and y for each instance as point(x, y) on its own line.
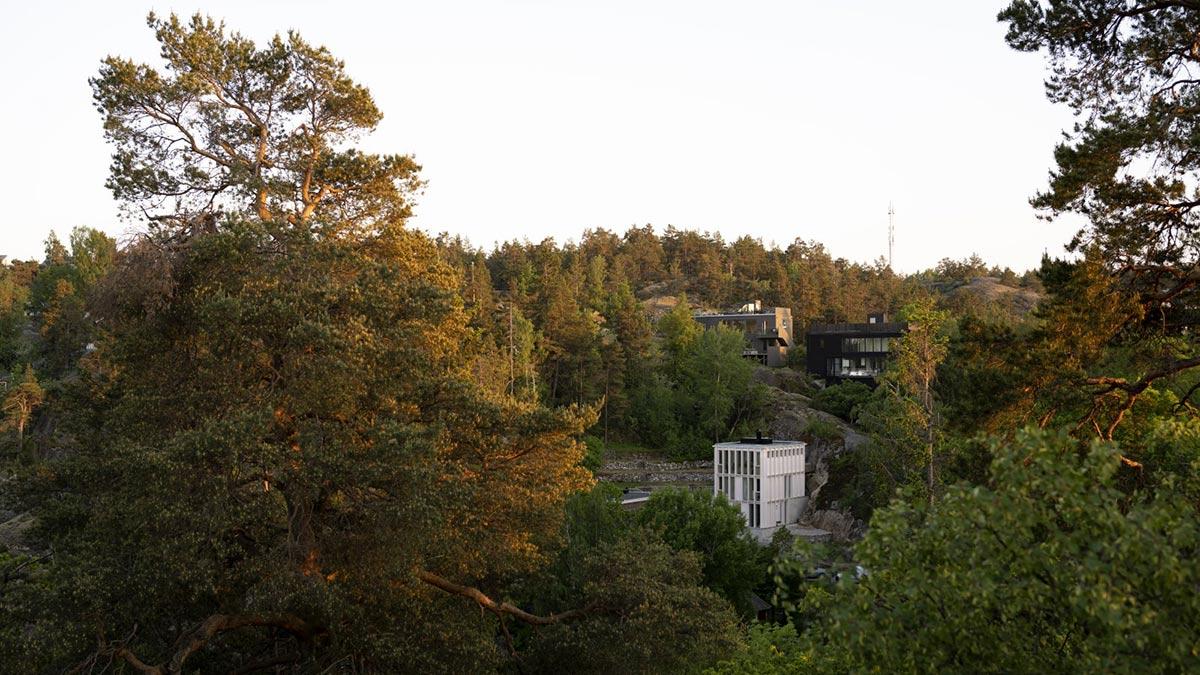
point(826, 436)
point(13, 527)
point(841, 526)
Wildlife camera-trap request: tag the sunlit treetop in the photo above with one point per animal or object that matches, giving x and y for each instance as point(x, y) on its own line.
point(225, 126)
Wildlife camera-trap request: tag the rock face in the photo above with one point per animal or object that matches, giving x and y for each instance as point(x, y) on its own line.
point(12, 532)
point(841, 526)
point(786, 380)
point(793, 418)
point(989, 293)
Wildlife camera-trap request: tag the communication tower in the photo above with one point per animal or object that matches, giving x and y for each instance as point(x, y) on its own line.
point(891, 232)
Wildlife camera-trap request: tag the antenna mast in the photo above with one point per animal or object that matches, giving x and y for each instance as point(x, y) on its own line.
point(891, 232)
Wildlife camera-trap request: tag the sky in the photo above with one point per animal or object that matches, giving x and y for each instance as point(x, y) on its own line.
point(533, 119)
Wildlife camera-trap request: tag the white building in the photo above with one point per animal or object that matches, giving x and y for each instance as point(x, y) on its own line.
point(763, 477)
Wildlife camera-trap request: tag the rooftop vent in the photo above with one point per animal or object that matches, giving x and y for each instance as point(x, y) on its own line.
point(757, 440)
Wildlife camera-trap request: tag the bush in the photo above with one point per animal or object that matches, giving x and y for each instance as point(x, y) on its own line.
point(594, 457)
point(1049, 568)
point(796, 357)
point(842, 399)
point(824, 430)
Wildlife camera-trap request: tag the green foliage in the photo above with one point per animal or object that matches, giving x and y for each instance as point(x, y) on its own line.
point(796, 357)
point(859, 482)
point(960, 270)
point(680, 333)
point(703, 393)
point(13, 298)
point(842, 399)
point(824, 430)
point(714, 380)
point(280, 425)
point(652, 416)
point(1050, 568)
point(657, 619)
point(980, 377)
point(650, 613)
point(58, 293)
point(593, 457)
point(770, 649)
point(22, 398)
point(712, 527)
point(1170, 456)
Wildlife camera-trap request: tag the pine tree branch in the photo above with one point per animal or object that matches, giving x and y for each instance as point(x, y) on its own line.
point(500, 607)
point(215, 625)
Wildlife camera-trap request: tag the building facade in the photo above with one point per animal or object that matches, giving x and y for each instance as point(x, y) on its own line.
point(837, 352)
point(768, 331)
point(764, 478)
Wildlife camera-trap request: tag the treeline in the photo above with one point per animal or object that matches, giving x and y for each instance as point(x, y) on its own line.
point(603, 322)
point(608, 320)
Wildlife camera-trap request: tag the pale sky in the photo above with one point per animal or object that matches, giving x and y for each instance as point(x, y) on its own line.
point(540, 118)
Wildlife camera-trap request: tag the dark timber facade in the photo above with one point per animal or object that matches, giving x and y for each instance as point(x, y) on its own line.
point(768, 331)
point(837, 352)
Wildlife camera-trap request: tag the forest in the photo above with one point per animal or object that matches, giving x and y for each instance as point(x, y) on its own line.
point(279, 430)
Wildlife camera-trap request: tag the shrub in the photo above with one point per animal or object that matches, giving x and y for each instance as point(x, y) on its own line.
point(842, 399)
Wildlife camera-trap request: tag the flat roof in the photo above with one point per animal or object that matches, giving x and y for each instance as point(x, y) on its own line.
point(756, 444)
point(740, 315)
point(835, 328)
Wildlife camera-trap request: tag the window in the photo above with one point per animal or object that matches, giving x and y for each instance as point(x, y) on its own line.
point(787, 487)
point(855, 366)
point(853, 345)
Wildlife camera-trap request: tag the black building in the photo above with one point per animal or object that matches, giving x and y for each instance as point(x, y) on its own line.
point(837, 352)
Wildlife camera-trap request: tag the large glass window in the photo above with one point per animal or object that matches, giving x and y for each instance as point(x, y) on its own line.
point(853, 345)
point(855, 366)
